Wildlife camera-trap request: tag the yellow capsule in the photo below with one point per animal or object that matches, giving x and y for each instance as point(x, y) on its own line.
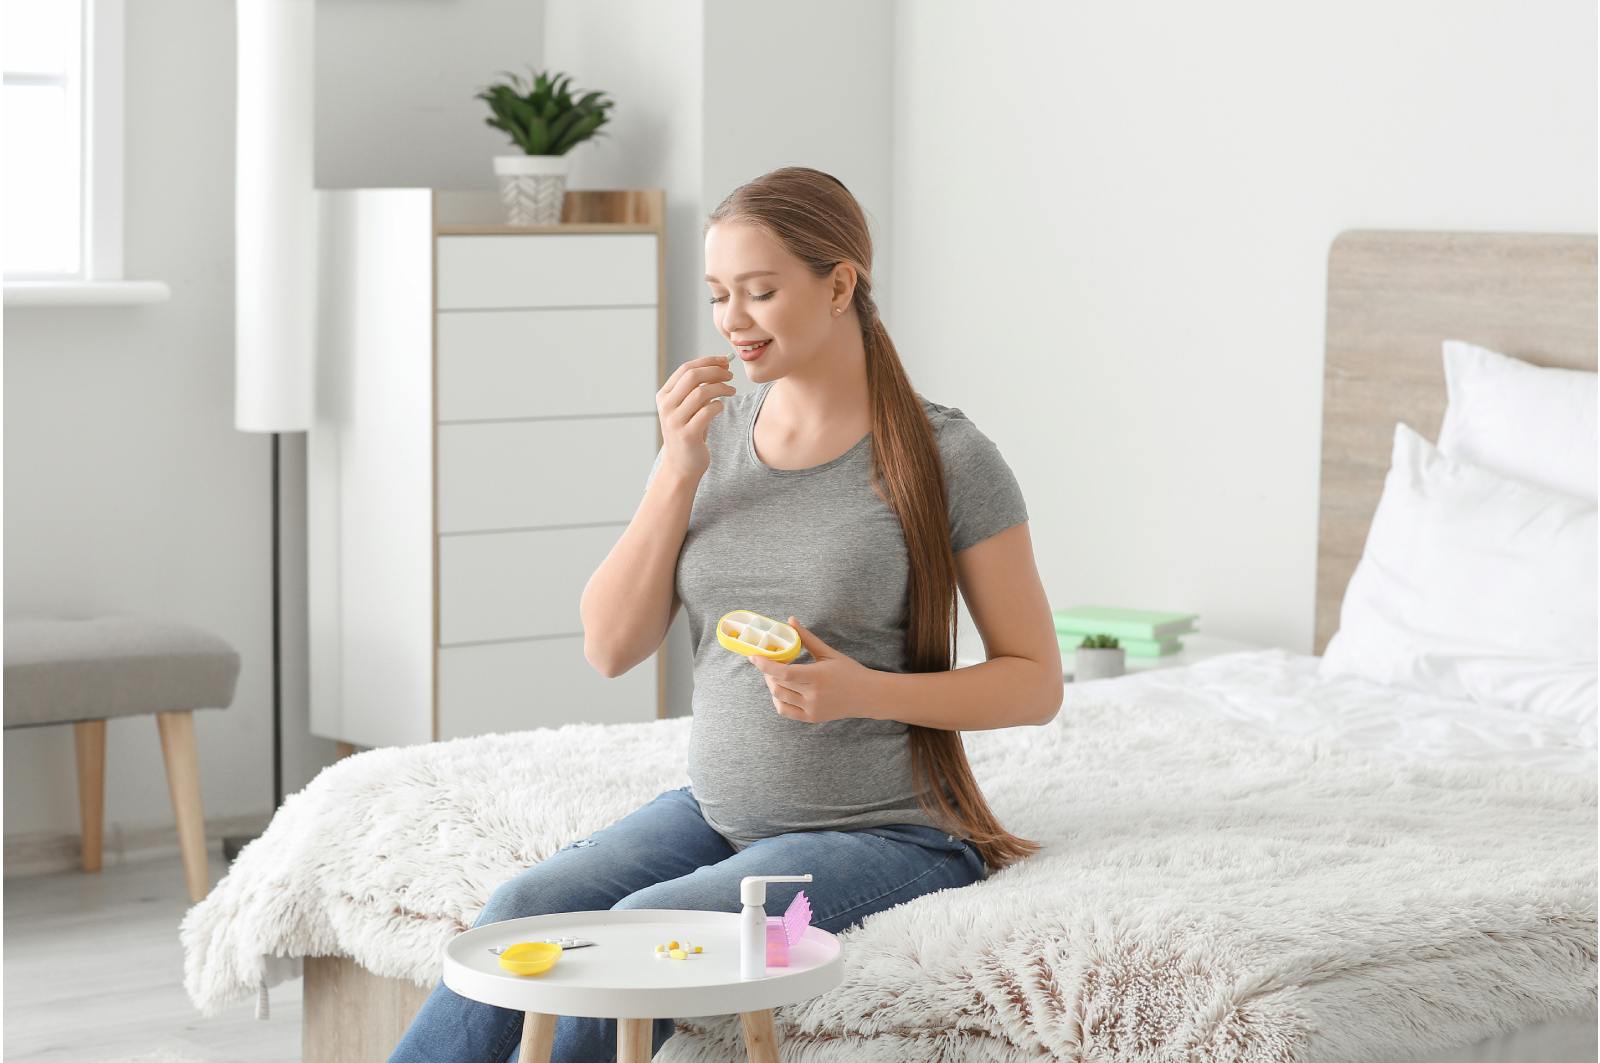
point(697, 948)
point(679, 954)
point(672, 944)
point(661, 948)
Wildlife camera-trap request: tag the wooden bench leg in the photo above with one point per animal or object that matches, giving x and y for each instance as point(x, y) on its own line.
point(633, 1040)
point(538, 1038)
point(90, 739)
point(183, 779)
point(760, 1039)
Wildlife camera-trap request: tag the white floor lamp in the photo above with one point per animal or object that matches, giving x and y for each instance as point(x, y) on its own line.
point(275, 260)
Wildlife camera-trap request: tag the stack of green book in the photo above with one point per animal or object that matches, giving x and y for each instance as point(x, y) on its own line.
point(1140, 632)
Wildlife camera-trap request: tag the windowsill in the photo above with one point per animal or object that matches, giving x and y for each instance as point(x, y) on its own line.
point(85, 293)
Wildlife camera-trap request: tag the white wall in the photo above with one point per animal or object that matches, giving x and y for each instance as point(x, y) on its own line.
point(1107, 227)
point(397, 87)
point(1110, 230)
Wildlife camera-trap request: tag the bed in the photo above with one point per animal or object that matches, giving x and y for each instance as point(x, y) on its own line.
point(1244, 859)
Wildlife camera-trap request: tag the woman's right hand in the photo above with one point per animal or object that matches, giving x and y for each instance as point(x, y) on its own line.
point(686, 403)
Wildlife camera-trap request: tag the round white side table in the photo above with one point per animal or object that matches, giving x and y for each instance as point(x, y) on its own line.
point(619, 977)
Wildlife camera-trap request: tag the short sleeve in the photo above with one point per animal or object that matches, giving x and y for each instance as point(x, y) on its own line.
point(983, 493)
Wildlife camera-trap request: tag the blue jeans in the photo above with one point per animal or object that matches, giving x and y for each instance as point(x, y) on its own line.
point(665, 855)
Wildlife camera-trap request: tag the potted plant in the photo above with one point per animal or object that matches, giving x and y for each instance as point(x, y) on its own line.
point(1098, 657)
point(546, 123)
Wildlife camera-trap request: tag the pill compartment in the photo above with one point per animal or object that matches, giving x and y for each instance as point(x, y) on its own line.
point(759, 632)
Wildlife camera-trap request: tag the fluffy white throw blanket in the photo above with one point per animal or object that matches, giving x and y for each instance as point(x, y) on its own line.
point(1206, 891)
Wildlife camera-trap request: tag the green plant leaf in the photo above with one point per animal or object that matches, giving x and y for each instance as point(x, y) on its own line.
point(579, 132)
point(513, 81)
point(540, 114)
point(523, 116)
point(561, 126)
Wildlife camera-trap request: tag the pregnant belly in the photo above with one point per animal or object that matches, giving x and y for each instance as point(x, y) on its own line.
point(781, 775)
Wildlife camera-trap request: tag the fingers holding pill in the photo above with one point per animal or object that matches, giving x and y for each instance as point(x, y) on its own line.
point(685, 405)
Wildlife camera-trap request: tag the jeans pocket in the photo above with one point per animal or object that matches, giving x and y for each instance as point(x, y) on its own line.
point(940, 841)
point(917, 834)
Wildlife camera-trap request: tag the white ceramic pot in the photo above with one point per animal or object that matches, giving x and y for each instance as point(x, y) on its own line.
point(1097, 664)
point(532, 187)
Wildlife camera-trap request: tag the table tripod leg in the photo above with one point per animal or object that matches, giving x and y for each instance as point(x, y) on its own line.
point(538, 1037)
point(633, 1041)
point(760, 1040)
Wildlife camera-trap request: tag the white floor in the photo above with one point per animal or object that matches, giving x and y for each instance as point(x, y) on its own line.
point(94, 974)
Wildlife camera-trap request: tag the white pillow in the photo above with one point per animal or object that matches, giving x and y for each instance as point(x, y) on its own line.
point(1473, 585)
point(1534, 423)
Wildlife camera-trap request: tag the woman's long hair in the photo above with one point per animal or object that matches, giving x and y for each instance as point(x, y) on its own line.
point(815, 217)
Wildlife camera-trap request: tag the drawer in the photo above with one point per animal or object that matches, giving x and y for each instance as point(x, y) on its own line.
point(548, 363)
point(515, 585)
point(515, 686)
point(546, 269)
point(524, 474)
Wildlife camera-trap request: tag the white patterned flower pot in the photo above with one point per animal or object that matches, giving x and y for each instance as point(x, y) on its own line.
point(1097, 664)
point(532, 187)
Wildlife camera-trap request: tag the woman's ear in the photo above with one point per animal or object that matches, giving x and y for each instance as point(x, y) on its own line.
point(844, 283)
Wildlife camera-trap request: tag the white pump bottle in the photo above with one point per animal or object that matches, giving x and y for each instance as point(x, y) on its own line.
point(753, 922)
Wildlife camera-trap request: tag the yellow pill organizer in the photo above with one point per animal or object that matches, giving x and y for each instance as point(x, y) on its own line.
point(755, 635)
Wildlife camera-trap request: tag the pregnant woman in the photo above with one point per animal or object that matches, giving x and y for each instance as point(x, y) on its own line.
point(833, 496)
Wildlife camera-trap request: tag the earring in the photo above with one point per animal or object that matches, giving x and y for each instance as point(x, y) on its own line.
point(838, 310)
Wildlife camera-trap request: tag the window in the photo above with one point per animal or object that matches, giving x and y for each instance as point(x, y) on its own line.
point(63, 153)
point(44, 138)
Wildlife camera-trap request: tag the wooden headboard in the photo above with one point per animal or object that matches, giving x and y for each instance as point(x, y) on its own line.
point(1393, 298)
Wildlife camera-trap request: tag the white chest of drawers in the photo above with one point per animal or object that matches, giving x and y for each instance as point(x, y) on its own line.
point(485, 424)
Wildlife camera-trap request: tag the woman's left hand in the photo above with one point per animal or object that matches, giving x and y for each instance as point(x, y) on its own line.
point(834, 687)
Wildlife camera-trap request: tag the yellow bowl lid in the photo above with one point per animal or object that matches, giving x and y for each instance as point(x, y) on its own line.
point(530, 957)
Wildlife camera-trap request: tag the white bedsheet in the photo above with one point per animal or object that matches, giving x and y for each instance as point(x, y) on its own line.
point(1282, 692)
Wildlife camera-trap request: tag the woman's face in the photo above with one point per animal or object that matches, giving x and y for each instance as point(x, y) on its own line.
point(760, 292)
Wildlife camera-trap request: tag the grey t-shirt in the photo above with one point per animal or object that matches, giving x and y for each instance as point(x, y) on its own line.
point(817, 544)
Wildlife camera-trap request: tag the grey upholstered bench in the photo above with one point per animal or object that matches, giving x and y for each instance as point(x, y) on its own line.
point(84, 672)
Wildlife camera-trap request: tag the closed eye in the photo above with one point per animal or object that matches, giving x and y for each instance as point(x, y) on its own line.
point(758, 298)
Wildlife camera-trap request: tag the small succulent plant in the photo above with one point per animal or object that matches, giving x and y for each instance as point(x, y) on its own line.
point(1099, 642)
point(543, 118)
